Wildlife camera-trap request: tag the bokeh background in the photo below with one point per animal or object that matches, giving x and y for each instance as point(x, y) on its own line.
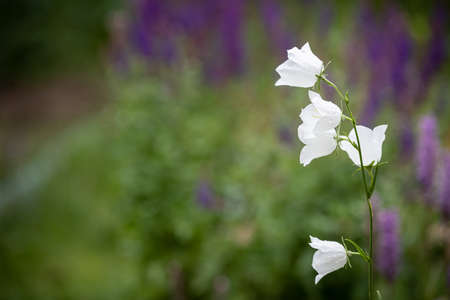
point(146, 154)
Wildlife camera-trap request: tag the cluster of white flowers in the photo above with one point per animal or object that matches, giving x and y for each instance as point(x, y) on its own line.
point(321, 117)
point(317, 131)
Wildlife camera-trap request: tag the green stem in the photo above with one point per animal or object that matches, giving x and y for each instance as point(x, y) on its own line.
point(369, 205)
point(371, 286)
point(332, 85)
point(366, 188)
point(345, 117)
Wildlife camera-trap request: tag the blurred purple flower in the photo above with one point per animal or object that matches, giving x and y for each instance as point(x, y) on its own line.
point(427, 148)
point(401, 45)
point(377, 51)
point(193, 17)
point(436, 52)
point(147, 15)
point(388, 244)
point(373, 37)
point(373, 104)
point(389, 51)
point(272, 17)
point(326, 16)
point(168, 51)
point(445, 187)
point(141, 40)
point(205, 195)
point(285, 135)
point(149, 11)
point(406, 140)
point(401, 56)
point(354, 61)
point(231, 33)
point(225, 50)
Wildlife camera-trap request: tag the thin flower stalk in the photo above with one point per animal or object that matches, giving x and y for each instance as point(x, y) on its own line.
point(368, 191)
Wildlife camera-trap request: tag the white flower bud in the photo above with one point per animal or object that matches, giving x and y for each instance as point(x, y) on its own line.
point(330, 256)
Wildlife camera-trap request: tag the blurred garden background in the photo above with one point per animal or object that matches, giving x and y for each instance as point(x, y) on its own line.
point(146, 153)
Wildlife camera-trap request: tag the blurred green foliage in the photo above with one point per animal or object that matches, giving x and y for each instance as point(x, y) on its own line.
point(41, 36)
point(117, 216)
point(109, 209)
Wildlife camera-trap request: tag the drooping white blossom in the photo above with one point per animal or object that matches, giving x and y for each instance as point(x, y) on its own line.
point(316, 144)
point(371, 144)
point(330, 256)
point(317, 132)
point(300, 69)
point(324, 114)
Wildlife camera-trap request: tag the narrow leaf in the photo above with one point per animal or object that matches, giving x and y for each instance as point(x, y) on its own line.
point(359, 249)
point(346, 249)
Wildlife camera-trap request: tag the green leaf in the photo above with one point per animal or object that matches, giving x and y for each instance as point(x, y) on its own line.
point(346, 250)
point(360, 250)
point(383, 163)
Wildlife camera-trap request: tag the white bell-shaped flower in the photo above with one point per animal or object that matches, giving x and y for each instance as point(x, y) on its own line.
point(371, 144)
point(301, 68)
point(316, 144)
point(330, 256)
point(317, 130)
point(324, 115)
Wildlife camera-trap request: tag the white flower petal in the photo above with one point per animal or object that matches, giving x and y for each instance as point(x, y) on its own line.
point(351, 151)
point(318, 277)
point(330, 256)
point(319, 146)
point(330, 113)
point(305, 57)
point(292, 75)
point(327, 262)
point(310, 115)
point(379, 133)
point(371, 144)
point(325, 246)
point(306, 133)
point(300, 69)
point(326, 123)
point(323, 106)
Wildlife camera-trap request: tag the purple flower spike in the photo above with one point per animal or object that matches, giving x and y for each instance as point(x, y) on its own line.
point(401, 50)
point(427, 148)
point(373, 104)
point(445, 188)
point(231, 31)
point(388, 253)
point(377, 46)
point(406, 141)
point(326, 17)
point(436, 53)
point(272, 16)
